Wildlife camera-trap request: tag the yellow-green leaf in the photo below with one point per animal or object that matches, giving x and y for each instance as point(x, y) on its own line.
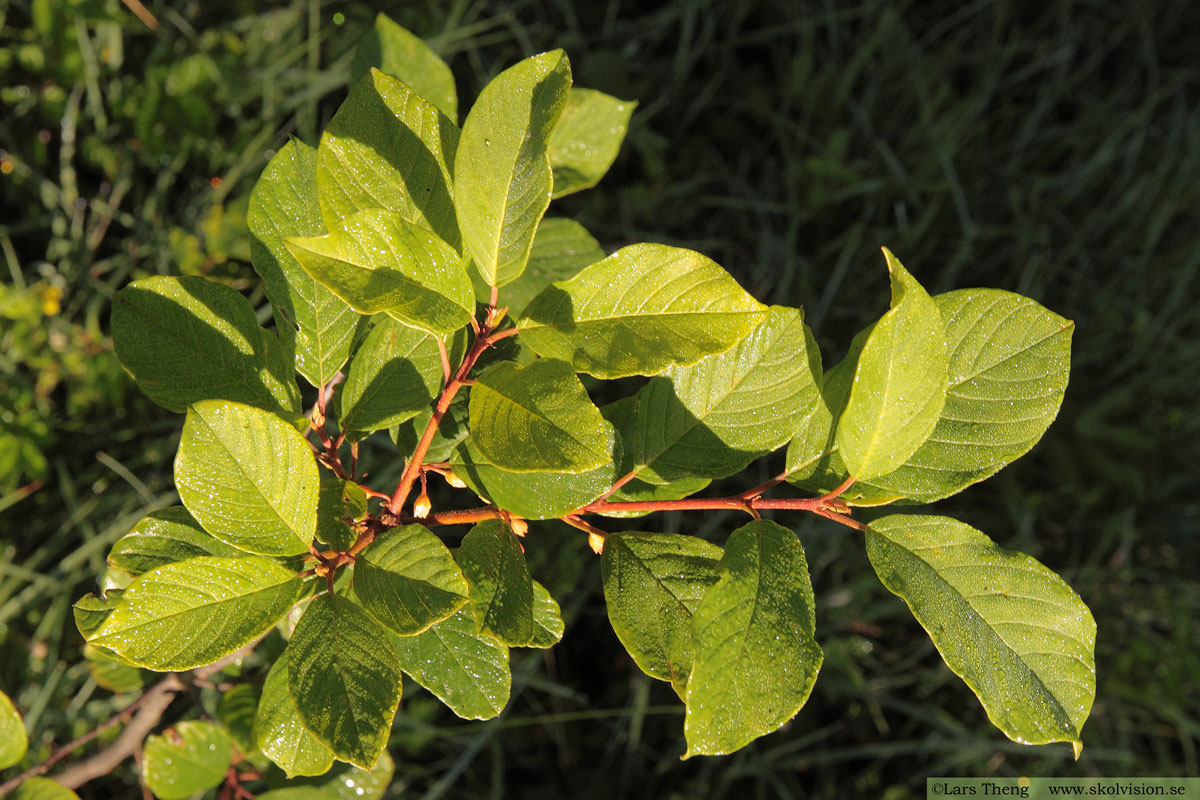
point(248, 478)
point(756, 659)
point(711, 419)
point(899, 383)
point(312, 320)
point(1014, 631)
point(162, 537)
point(13, 739)
point(187, 758)
point(377, 261)
point(502, 173)
point(388, 147)
point(586, 139)
point(190, 613)
point(644, 308)
point(537, 418)
point(392, 49)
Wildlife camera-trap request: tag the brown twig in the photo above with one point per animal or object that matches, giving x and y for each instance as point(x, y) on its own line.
point(483, 340)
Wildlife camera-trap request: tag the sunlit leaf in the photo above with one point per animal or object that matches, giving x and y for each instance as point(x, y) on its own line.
point(187, 758)
point(899, 383)
point(394, 50)
point(190, 613)
point(586, 139)
point(1014, 631)
point(248, 477)
point(501, 168)
point(756, 659)
point(388, 147)
point(642, 309)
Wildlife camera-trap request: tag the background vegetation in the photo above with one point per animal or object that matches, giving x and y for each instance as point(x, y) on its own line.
point(1048, 148)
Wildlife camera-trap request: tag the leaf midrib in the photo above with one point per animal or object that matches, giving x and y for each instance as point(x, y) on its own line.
point(254, 483)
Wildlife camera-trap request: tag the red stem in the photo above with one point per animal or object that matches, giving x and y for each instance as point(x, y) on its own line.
point(817, 505)
point(411, 470)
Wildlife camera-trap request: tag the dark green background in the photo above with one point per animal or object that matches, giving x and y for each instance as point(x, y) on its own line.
point(1048, 148)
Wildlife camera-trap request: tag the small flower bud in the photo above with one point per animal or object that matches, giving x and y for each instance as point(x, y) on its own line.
point(519, 526)
point(453, 479)
point(596, 542)
point(421, 506)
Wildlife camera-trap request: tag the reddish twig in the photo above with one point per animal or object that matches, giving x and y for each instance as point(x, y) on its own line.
point(483, 340)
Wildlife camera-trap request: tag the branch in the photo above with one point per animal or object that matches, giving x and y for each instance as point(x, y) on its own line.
point(483, 339)
point(827, 506)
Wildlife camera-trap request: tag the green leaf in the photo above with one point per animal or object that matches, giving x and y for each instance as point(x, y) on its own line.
point(501, 589)
point(339, 500)
point(533, 495)
point(710, 420)
point(280, 734)
point(653, 584)
point(466, 670)
point(396, 373)
point(162, 537)
point(899, 382)
point(537, 418)
point(343, 782)
point(189, 757)
point(310, 319)
point(13, 739)
point(812, 442)
point(188, 339)
point(299, 793)
point(1009, 363)
point(548, 625)
point(756, 659)
point(1014, 631)
point(248, 477)
point(387, 147)
point(112, 674)
point(377, 262)
point(344, 678)
point(236, 712)
point(502, 170)
point(91, 611)
point(190, 613)
point(43, 789)
point(639, 311)
point(561, 248)
point(394, 50)
point(348, 782)
point(586, 139)
point(408, 580)
point(813, 460)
